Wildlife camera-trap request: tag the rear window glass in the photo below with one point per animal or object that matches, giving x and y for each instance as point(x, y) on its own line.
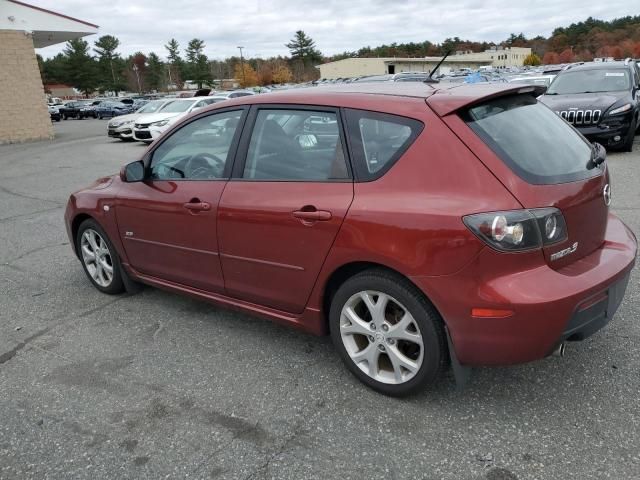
point(378, 140)
point(532, 140)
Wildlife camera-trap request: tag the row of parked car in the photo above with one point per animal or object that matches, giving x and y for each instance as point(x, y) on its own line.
point(150, 120)
point(81, 109)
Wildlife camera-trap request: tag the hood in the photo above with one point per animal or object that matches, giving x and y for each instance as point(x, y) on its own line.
point(101, 183)
point(583, 101)
point(131, 117)
point(156, 117)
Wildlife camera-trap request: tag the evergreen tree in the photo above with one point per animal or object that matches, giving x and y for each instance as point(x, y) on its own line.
point(302, 47)
point(80, 68)
point(110, 65)
point(156, 76)
point(175, 63)
point(197, 63)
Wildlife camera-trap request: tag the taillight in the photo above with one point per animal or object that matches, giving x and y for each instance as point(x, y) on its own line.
point(518, 230)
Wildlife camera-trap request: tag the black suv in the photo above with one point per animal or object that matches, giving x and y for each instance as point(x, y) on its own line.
point(600, 99)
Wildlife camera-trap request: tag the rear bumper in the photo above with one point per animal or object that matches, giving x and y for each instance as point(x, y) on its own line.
point(549, 306)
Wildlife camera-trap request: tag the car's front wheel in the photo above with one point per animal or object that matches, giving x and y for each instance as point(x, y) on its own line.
point(628, 144)
point(387, 333)
point(99, 259)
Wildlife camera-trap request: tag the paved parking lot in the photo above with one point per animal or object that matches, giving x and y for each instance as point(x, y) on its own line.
point(160, 386)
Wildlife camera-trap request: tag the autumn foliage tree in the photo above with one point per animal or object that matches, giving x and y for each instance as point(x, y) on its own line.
point(566, 56)
point(248, 78)
point(550, 58)
point(532, 60)
point(282, 74)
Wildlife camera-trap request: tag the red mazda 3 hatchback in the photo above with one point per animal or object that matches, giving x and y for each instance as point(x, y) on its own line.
point(419, 225)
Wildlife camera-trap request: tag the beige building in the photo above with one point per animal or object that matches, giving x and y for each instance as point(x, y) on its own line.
point(24, 106)
point(355, 67)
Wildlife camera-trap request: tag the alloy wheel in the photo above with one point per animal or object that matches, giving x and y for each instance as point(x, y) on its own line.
point(381, 337)
point(97, 257)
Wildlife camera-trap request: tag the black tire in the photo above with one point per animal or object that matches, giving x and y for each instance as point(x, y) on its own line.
point(116, 286)
point(628, 144)
point(429, 322)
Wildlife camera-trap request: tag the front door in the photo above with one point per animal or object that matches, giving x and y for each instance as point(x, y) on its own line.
point(279, 216)
point(168, 222)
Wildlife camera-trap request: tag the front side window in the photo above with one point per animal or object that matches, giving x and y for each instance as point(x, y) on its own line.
point(292, 145)
point(532, 140)
point(379, 140)
point(591, 81)
point(197, 151)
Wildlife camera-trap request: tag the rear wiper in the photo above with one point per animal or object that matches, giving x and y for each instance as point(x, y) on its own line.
point(598, 156)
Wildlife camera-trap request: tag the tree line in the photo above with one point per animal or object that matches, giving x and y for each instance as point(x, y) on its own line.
point(101, 68)
point(582, 41)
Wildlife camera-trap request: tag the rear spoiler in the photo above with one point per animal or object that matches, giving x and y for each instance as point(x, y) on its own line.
point(449, 100)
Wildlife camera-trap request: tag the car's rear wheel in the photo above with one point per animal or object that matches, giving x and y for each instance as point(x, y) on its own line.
point(387, 333)
point(99, 259)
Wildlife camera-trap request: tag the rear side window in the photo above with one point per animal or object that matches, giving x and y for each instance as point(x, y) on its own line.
point(296, 145)
point(538, 145)
point(378, 140)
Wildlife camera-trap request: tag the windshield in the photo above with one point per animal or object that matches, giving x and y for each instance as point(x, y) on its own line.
point(151, 107)
point(533, 141)
point(590, 81)
point(176, 107)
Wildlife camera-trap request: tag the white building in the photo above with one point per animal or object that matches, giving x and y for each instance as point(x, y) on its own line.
point(355, 67)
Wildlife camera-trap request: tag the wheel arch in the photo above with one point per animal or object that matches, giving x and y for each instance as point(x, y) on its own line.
point(75, 226)
point(348, 270)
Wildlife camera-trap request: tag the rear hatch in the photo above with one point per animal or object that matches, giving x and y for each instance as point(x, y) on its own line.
point(543, 162)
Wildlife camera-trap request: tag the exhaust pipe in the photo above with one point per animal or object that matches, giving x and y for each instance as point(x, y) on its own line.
point(559, 351)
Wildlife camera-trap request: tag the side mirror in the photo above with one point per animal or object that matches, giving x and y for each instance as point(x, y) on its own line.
point(133, 172)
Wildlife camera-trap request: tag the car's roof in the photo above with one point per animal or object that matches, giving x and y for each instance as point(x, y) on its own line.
point(443, 98)
point(188, 99)
point(597, 66)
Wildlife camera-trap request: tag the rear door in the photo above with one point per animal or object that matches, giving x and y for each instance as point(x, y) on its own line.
point(544, 162)
point(281, 211)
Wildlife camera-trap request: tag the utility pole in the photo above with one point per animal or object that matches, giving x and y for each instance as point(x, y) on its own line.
point(244, 80)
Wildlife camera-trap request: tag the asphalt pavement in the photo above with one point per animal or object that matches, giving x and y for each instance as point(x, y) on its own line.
point(155, 385)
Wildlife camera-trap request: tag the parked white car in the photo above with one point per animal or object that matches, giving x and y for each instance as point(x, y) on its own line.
point(150, 127)
point(122, 127)
point(233, 94)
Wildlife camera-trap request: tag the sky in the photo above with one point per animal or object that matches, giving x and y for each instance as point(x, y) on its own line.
point(263, 27)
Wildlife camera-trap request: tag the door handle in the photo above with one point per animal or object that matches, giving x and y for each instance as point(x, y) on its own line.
point(312, 215)
point(197, 206)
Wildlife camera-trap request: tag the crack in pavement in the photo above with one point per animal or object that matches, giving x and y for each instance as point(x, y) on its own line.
point(29, 252)
point(14, 217)
point(29, 197)
point(5, 357)
point(299, 428)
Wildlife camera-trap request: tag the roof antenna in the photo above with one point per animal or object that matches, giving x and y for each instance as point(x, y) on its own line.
point(430, 78)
